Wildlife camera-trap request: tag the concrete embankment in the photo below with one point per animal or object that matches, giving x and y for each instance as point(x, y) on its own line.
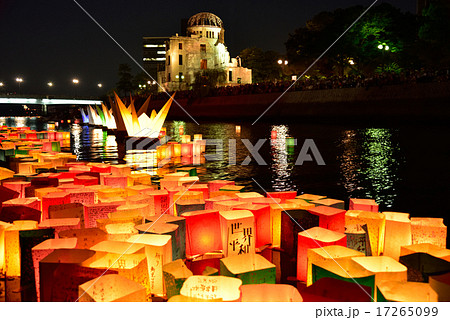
point(420, 101)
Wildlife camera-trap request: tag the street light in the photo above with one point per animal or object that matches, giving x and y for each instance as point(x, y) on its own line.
point(75, 81)
point(280, 61)
point(50, 84)
point(99, 85)
point(1, 84)
point(19, 80)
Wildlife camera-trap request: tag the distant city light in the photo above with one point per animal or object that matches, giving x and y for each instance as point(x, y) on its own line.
point(280, 61)
point(285, 62)
point(380, 46)
point(386, 48)
point(149, 82)
point(75, 81)
point(1, 84)
point(99, 85)
point(351, 62)
point(50, 84)
point(18, 79)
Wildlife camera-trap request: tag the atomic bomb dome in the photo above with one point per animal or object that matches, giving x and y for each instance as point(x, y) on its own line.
point(205, 19)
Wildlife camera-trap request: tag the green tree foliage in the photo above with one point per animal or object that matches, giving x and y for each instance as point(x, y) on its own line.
point(205, 80)
point(383, 24)
point(125, 84)
point(263, 64)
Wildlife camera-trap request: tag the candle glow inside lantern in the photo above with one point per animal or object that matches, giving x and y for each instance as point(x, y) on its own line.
point(251, 268)
point(400, 291)
point(60, 224)
point(33, 203)
point(226, 205)
point(238, 232)
point(265, 292)
point(363, 204)
point(429, 248)
point(429, 230)
point(115, 181)
point(315, 238)
point(211, 288)
point(215, 185)
point(158, 249)
point(160, 202)
point(330, 218)
point(97, 211)
point(276, 213)
point(357, 238)
point(203, 232)
point(86, 197)
point(375, 223)
point(18, 186)
point(249, 196)
point(397, 234)
point(111, 288)
point(283, 195)
point(327, 258)
point(209, 203)
point(175, 274)
point(53, 198)
point(43, 249)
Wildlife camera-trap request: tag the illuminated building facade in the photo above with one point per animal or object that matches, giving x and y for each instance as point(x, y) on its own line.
point(154, 54)
point(203, 48)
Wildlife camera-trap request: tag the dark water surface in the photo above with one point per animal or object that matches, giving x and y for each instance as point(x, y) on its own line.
point(403, 167)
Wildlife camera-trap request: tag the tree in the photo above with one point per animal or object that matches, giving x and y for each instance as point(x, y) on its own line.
point(263, 64)
point(125, 84)
point(205, 80)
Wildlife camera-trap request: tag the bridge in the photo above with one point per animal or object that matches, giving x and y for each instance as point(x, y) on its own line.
point(48, 101)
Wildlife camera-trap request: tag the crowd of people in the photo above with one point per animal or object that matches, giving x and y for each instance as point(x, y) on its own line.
point(318, 83)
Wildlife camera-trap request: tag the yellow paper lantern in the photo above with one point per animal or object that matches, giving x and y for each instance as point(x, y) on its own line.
point(375, 226)
point(400, 291)
point(397, 234)
point(269, 293)
point(212, 288)
point(429, 230)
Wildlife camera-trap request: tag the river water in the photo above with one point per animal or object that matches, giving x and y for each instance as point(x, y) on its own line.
point(403, 167)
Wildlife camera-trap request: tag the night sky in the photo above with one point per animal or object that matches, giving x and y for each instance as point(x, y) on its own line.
point(44, 41)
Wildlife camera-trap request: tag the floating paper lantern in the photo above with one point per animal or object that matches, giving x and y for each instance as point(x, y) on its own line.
point(363, 204)
point(86, 197)
point(175, 274)
point(249, 196)
point(112, 192)
point(238, 232)
point(189, 205)
point(269, 293)
point(375, 223)
point(7, 194)
point(226, 205)
point(138, 189)
point(158, 227)
point(203, 232)
point(86, 180)
point(18, 186)
point(32, 203)
point(266, 201)
point(232, 188)
point(217, 184)
point(131, 210)
point(185, 138)
point(397, 234)
point(314, 238)
point(202, 188)
point(330, 218)
point(276, 213)
point(429, 248)
point(263, 236)
point(211, 288)
point(56, 285)
point(357, 238)
point(160, 200)
point(177, 150)
point(97, 211)
point(3, 227)
point(101, 168)
point(327, 258)
point(86, 238)
point(251, 268)
point(69, 210)
point(429, 230)
point(53, 198)
point(12, 246)
point(179, 239)
point(283, 195)
point(120, 170)
point(384, 268)
point(158, 250)
point(423, 265)
point(111, 288)
point(441, 285)
point(115, 181)
point(399, 291)
point(43, 249)
point(186, 149)
point(209, 203)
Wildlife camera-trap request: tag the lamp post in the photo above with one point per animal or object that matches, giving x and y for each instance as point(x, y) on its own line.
point(99, 85)
point(75, 81)
point(383, 47)
point(19, 80)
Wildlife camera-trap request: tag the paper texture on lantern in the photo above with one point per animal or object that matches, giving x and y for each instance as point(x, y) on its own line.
point(268, 201)
point(120, 169)
point(441, 285)
point(357, 238)
point(18, 186)
point(375, 225)
point(160, 201)
point(250, 268)
point(338, 204)
point(269, 293)
point(86, 238)
point(283, 195)
point(210, 271)
point(3, 227)
point(310, 197)
point(203, 232)
point(131, 210)
point(261, 213)
point(399, 291)
point(68, 210)
point(363, 204)
point(238, 232)
point(138, 189)
point(330, 218)
point(86, 197)
point(209, 203)
point(397, 234)
point(139, 178)
point(329, 258)
point(276, 210)
point(303, 203)
point(181, 298)
point(429, 248)
point(249, 196)
point(384, 268)
point(158, 250)
point(421, 265)
point(179, 241)
point(112, 192)
point(119, 226)
point(215, 185)
point(12, 246)
point(111, 288)
point(115, 181)
point(175, 274)
point(97, 211)
point(43, 249)
point(314, 238)
point(226, 205)
point(217, 287)
point(53, 198)
point(429, 230)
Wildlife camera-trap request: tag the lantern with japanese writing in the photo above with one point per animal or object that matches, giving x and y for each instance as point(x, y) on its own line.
point(314, 238)
point(330, 218)
point(160, 201)
point(263, 236)
point(111, 288)
point(211, 288)
point(175, 274)
point(374, 223)
point(238, 232)
point(158, 249)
